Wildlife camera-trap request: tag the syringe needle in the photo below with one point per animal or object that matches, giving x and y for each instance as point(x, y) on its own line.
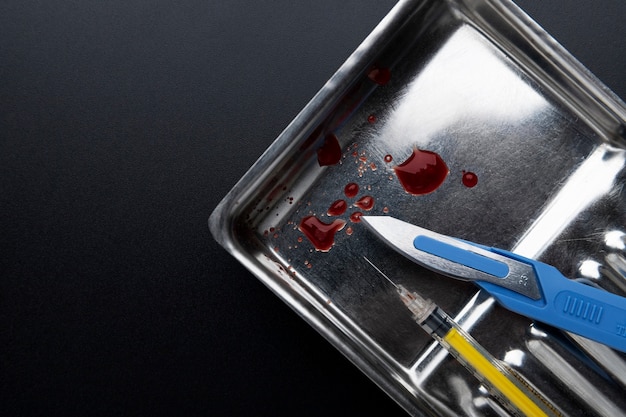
point(380, 272)
point(514, 393)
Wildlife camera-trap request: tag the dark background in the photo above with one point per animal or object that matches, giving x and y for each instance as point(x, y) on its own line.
point(122, 125)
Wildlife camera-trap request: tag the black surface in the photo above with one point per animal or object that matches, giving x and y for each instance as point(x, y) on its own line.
point(122, 125)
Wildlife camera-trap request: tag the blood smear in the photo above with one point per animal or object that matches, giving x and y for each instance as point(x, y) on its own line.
point(321, 235)
point(422, 173)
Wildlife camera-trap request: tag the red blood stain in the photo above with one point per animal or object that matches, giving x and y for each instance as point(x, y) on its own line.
point(321, 235)
point(371, 118)
point(349, 231)
point(380, 76)
point(356, 217)
point(422, 173)
point(337, 208)
point(388, 158)
point(469, 179)
point(330, 152)
point(349, 102)
point(365, 203)
point(351, 190)
point(312, 137)
point(276, 192)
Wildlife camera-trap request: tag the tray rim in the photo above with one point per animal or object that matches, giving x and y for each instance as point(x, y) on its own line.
point(222, 220)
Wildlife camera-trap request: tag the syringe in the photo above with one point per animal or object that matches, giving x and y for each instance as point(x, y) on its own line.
point(508, 387)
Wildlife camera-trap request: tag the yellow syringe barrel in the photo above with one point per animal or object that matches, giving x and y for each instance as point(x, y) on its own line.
point(511, 389)
point(462, 347)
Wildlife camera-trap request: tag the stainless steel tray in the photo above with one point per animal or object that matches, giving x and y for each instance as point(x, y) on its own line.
point(480, 84)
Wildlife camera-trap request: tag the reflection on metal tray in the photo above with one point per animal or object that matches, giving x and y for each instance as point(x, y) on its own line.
point(534, 148)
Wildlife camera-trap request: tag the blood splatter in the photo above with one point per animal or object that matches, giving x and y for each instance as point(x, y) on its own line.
point(351, 190)
point(330, 152)
point(371, 118)
point(469, 179)
point(320, 234)
point(388, 158)
point(380, 76)
point(337, 208)
point(366, 203)
point(422, 173)
point(356, 217)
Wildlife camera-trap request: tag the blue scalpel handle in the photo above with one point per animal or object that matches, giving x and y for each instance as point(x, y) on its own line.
point(569, 305)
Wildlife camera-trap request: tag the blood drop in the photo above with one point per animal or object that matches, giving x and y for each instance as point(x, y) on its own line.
point(469, 179)
point(321, 235)
point(330, 152)
point(337, 208)
point(351, 190)
point(422, 173)
point(356, 217)
point(380, 76)
point(365, 203)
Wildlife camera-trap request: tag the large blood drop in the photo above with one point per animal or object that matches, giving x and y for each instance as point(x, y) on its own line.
point(422, 173)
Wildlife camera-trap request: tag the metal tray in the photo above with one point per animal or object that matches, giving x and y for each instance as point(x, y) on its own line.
point(483, 86)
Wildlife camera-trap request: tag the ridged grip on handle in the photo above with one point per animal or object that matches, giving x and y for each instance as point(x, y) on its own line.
point(569, 305)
